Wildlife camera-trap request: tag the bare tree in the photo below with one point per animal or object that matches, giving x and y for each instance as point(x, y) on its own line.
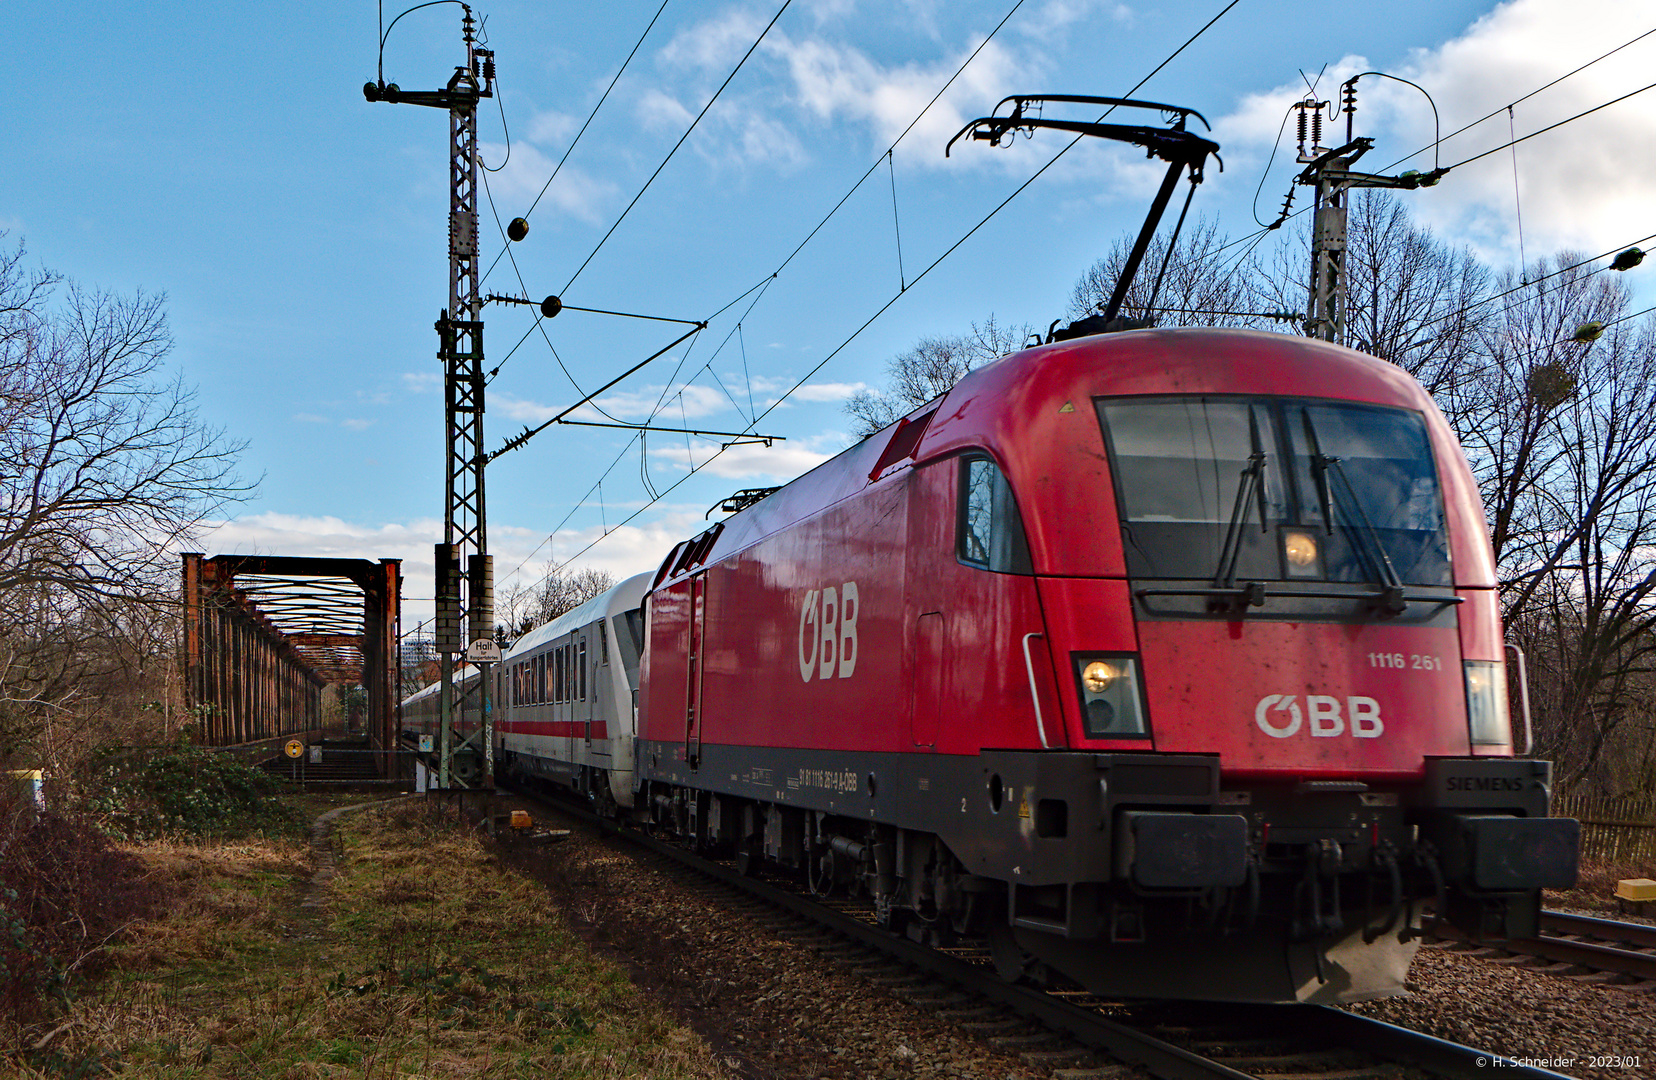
point(1208, 282)
point(1562, 437)
point(929, 369)
point(561, 591)
point(105, 468)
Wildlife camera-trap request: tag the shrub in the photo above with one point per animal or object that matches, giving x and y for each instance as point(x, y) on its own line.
point(65, 890)
point(192, 791)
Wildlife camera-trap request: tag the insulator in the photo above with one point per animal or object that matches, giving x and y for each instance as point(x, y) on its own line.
point(488, 67)
point(1316, 126)
point(1301, 108)
point(1349, 97)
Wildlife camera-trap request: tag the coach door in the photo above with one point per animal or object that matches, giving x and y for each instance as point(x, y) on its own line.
point(693, 670)
point(586, 690)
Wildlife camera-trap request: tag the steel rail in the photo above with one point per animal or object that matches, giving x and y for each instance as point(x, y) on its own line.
point(1557, 945)
point(1438, 1056)
point(1163, 1059)
point(1638, 935)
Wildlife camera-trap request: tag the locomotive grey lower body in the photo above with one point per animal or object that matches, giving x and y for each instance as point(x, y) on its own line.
point(1138, 875)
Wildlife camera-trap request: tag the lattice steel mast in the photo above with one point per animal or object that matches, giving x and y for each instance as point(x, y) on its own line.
point(1329, 174)
point(470, 761)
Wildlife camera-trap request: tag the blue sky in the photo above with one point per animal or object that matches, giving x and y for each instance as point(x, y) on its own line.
point(223, 154)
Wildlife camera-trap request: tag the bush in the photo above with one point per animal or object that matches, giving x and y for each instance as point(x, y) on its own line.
point(188, 790)
point(64, 891)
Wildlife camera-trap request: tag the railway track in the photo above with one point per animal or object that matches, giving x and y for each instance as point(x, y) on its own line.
point(1079, 1035)
point(1580, 946)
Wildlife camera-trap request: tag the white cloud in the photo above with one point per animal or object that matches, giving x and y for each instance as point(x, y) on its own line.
point(835, 82)
point(832, 82)
point(777, 463)
point(519, 182)
point(552, 127)
point(691, 402)
point(356, 424)
point(1054, 18)
point(309, 418)
point(625, 551)
point(1584, 185)
point(772, 386)
point(716, 43)
point(658, 111)
point(418, 382)
point(322, 537)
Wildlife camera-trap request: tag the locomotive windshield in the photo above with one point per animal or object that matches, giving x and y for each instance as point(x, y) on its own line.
point(1276, 489)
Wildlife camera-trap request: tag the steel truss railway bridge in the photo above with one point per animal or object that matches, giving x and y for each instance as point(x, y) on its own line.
point(265, 635)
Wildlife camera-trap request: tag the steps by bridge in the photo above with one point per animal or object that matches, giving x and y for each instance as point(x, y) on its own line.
point(346, 764)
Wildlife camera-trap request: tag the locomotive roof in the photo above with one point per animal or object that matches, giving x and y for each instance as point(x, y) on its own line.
point(1010, 407)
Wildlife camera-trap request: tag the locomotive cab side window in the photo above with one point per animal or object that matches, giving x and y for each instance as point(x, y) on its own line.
point(989, 532)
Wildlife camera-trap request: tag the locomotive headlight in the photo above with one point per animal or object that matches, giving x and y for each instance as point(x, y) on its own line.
point(1098, 675)
point(1487, 717)
point(1110, 707)
point(1300, 549)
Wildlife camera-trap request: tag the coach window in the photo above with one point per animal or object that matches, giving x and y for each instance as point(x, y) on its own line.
point(989, 533)
point(583, 668)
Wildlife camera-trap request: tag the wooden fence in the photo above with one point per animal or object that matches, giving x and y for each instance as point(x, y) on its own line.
point(1618, 830)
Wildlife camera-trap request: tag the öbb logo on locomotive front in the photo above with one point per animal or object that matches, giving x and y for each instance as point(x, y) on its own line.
point(1324, 713)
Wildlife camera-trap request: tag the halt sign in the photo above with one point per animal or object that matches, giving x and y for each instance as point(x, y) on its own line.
point(294, 748)
point(483, 651)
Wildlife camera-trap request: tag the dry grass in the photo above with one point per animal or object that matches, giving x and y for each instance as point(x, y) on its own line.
point(429, 959)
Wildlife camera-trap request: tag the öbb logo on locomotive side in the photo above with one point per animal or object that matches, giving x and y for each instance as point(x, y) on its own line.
point(1280, 716)
point(828, 632)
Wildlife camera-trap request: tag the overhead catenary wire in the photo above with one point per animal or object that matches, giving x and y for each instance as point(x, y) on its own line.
point(694, 468)
point(1464, 309)
point(1550, 127)
point(765, 283)
point(1286, 215)
point(1603, 326)
point(687, 132)
point(1520, 100)
point(538, 324)
point(587, 123)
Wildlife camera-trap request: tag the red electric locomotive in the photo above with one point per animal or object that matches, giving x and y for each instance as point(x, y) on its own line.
point(1169, 661)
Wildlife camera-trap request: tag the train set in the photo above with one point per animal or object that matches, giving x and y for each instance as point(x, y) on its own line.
point(1167, 662)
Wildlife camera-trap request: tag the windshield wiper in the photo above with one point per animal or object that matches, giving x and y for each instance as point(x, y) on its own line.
point(1365, 539)
point(1250, 486)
